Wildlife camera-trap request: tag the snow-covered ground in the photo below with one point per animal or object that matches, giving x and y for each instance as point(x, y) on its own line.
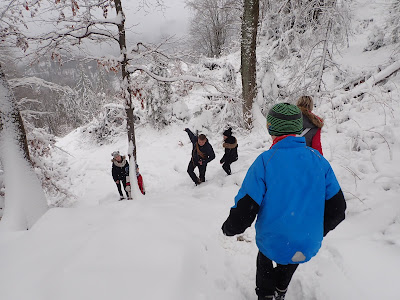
point(168, 244)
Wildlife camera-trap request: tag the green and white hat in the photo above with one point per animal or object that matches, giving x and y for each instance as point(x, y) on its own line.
point(284, 118)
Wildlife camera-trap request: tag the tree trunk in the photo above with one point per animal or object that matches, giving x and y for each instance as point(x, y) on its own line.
point(126, 80)
point(25, 201)
point(16, 119)
point(248, 57)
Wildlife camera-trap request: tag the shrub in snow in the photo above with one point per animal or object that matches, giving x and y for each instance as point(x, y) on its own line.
point(180, 111)
point(268, 88)
point(51, 168)
point(213, 109)
point(218, 113)
point(221, 68)
point(159, 97)
point(109, 123)
point(375, 39)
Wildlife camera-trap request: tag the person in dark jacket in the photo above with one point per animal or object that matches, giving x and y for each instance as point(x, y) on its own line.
point(120, 173)
point(293, 192)
point(312, 124)
point(202, 154)
point(231, 155)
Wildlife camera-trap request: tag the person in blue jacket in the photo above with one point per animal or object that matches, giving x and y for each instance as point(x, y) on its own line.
point(202, 154)
point(293, 192)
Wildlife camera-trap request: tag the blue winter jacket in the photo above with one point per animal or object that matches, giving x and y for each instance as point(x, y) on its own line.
point(290, 183)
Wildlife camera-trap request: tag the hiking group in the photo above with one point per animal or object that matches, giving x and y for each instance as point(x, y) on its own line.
point(203, 153)
point(291, 189)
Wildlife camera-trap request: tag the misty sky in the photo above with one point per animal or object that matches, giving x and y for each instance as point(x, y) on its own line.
point(152, 24)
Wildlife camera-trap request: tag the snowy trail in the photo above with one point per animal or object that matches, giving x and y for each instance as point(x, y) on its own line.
point(169, 245)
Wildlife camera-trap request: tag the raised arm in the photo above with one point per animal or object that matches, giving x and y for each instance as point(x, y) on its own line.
point(192, 137)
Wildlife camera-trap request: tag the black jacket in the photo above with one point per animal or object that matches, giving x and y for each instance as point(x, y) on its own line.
point(231, 153)
point(120, 169)
point(207, 149)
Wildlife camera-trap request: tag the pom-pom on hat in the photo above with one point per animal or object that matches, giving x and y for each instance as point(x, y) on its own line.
point(228, 132)
point(115, 154)
point(284, 118)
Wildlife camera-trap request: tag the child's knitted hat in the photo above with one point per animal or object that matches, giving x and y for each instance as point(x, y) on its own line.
point(284, 118)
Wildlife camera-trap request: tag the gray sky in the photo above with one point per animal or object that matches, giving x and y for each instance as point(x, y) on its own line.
point(153, 24)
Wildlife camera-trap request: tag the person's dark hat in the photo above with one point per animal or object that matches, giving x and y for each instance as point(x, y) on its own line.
point(228, 132)
point(284, 118)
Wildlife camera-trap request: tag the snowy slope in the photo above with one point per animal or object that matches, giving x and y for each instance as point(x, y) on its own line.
point(169, 245)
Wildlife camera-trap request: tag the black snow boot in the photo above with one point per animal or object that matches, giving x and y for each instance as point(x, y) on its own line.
point(279, 294)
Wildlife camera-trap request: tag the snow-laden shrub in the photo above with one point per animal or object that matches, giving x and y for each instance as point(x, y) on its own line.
point(214, 108)
point(220, 68)
point(50, 166)
point(376, 39)
point(180, 111)
point(111, 122)
point(268, 86)
point(159, 97)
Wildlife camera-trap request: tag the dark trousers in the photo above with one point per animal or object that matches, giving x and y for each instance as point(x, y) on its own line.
point(119, 187)
point(227, 168)
point(268, 278)
point(202, 172)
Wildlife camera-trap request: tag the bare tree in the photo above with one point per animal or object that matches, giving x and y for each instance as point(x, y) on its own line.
point(82, 22)
point(305, 33)
point(248, 57)
point(213, 26)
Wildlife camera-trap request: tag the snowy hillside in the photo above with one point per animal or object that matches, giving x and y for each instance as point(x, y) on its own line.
point(169, 245)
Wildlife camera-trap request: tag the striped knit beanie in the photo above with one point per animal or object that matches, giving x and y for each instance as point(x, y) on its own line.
point(284, 118)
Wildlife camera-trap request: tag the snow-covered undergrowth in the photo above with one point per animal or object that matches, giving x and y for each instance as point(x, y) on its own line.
point(169, 244)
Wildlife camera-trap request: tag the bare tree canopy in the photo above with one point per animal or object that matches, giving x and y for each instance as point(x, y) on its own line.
point(214, 25)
